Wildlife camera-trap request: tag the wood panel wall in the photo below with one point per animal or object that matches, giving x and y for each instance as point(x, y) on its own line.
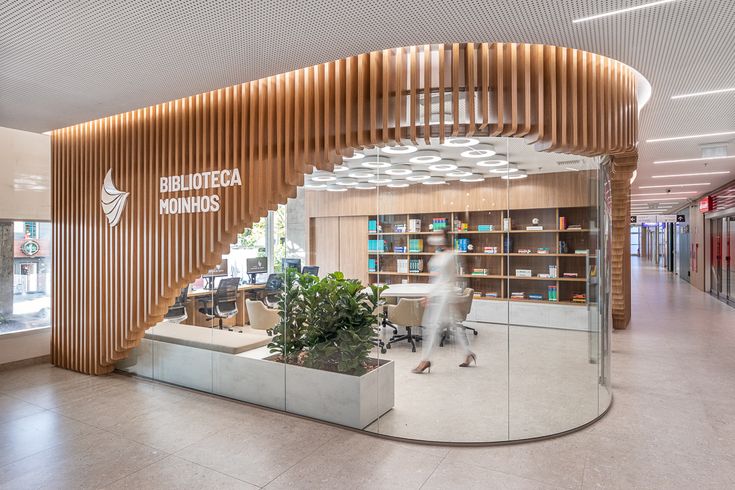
point(112, 283)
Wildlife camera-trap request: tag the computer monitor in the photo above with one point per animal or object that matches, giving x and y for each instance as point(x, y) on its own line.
point(255, 266)
point(287, 264)
point(310, 269)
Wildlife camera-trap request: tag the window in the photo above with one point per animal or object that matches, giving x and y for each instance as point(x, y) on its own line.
point(25, 275)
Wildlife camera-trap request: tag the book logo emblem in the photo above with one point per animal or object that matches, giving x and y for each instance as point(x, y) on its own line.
point(113, 200)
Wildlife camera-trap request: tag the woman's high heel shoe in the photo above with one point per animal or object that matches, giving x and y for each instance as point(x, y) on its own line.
point(469, 360)
point(423, 366)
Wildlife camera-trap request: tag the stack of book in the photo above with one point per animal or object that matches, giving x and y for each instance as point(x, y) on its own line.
point(479, 272)
point(416, 245)
point(402, 265)
point(461, 244)
point(579, 298)
point(574, 227)
point(518, 295)
point(552, 293)
point(536, 296)
point(524, 273)
point(416, 265)
point(534, 228)
point(524, 250)
point(491, 294)
point(490, 250)
point(542, 250)
point(485, 227)
point(439, 224)
point(399, 228)
point(581, 251)
point(570, 274)
point(376, 246)
point(399, 249)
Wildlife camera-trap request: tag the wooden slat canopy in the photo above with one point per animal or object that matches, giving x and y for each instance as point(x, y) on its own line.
point(111, 283)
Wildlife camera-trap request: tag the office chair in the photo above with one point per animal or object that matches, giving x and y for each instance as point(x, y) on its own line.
point(464, 305)
point(261, 317)
point(224, 301)
point(409, 313)
point(177, 312)
point(273, 287)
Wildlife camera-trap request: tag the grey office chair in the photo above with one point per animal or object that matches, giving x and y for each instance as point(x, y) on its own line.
point(177, 312)
point(224, 301)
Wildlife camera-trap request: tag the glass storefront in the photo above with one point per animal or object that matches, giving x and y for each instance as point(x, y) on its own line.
point(722, 258)
point(452, 292)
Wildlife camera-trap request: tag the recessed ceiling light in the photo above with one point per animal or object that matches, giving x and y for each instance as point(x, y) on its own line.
point(499, 162)
point(472, 178)
point(425, 156)
point(346, 181)
point(399, 170)
point(460, 142)
point(690, 175)
point(460, 172)
point(419, 175)
point(700, 159)
point(316, 186)
point(376, 161)
point(622, 11)
point(664, 193)
point(689, 137)
point(509, 169)
point(337, 189)
point(398, 184)
point(364, 187)
point(671, 185)
point(398, 150)
point(520, 175)
point(708, 92)
point(657, 199)
point(434, 181)
point(355, 156)
point(443, 166)
point(361, 174)
point(323, 178)
point(479, 151)
point(380, 180)
point(340, 168)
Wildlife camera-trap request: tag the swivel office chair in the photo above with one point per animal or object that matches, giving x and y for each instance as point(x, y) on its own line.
point(273, 288)
point(177, 312)
point(224, 301)
point(463, 307)
point(409, 313)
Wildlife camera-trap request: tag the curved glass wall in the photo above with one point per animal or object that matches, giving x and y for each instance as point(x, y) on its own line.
point(453, 292)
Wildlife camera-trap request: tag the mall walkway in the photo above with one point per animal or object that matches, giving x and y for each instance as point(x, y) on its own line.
point(672, 425)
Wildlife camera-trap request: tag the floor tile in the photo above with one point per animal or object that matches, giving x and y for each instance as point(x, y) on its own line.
point(470, 477)
point(12, 408)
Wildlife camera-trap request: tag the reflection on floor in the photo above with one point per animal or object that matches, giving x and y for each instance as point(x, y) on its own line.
point(549, 386)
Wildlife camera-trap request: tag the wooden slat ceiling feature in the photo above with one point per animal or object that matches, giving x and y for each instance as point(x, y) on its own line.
point(113, 283)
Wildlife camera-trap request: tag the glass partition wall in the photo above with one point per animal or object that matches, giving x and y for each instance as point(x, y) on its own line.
point(453, 292)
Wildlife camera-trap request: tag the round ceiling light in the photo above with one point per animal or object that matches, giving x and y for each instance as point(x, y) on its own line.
point(425, 156)
point(340, 168)
point(480, 151)
point(323, 178)
point(398, 150)
point(355, 156)
point(460, 172)
point(380, 180)
point(399, 170)
point(361, 174)
point(365, 187)
point(443, 166)
point(419, 175)
point(336, 189)
point(508, 169)
point(376, 161)
point(472, 178)
point(434, 181)
point(398, 184)
point(495, 162)
point(316, 186)
point(521, 174)
point(460, 142)
point(346, 181)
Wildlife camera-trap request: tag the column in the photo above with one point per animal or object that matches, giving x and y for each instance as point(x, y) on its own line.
point(622, 171)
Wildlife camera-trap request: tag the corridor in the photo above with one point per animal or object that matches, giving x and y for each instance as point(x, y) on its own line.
point(671, 425)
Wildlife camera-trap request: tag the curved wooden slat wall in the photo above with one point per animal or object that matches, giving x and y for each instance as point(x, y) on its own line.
point(112, 283)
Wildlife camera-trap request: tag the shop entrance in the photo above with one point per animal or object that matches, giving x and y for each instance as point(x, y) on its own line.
point(722, 284)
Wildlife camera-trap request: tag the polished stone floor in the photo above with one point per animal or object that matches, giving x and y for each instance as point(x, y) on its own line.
point(672, 425)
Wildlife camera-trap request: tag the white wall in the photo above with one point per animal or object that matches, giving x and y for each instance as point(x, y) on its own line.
point(25, 175)
point(25, 194)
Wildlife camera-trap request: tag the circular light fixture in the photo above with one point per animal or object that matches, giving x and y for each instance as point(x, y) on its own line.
point(355, 156)
point(323, 178)
point(472, 178)
point(361, 174)
point(316, 186)
point(425, 156)
point(399, 170)
point(340, 168)
point(460, 142)
point(460, 172)
point(434, 181)
point(419, 175)
point(443, 166)
point(521, 174)
point(346, 181)
point(480, 151)
point(398, 184)
point(399, 150)
point(495, 162)
point(508, 169)
point(376, 161)
point(365, 187)
point(380, 180)
point(336, 189)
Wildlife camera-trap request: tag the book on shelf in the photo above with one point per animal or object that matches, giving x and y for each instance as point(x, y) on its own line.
point(573, 227)
point(552, 293)
point(414, 225)
point(570, 274)
point(372, 226)
point(372, 265)
point(581, 251)
point(416, 265)
point(506, 224)
point(524, 273)
point(479, 272)
point(399, 249)
point(562, 222)
point(461, 245)
point(553, 271)
point(524, 250)
point(579, 298)
point(491, 294)
point(438, 224)
point(534, 228)
point(416, 245)
point(542, 250)
point(490, 250)
point(544, 276)
point(518, 295)
point(536, 296)
point(485, 227)
point(402, 265)
point(478, 294)
point(376, 245)
point(399, 228)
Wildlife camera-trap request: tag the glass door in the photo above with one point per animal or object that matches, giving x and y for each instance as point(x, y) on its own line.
point(730, 259)
point(717, 260)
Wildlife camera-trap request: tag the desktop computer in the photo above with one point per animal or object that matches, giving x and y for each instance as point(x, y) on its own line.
point(287, 264)
point(255, 266)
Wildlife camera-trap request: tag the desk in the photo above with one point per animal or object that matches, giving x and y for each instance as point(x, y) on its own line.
point(244, 291)
point(419, 290)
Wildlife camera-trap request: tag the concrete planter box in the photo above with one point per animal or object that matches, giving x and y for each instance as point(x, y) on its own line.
point(354, 401)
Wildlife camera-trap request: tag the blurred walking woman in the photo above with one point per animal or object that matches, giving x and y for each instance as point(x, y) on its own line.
point(442, 302)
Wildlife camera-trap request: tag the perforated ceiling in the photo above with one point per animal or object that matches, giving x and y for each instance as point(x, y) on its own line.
point(67, 62)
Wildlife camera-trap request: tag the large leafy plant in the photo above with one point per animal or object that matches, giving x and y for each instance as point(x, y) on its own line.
point(326, 323)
